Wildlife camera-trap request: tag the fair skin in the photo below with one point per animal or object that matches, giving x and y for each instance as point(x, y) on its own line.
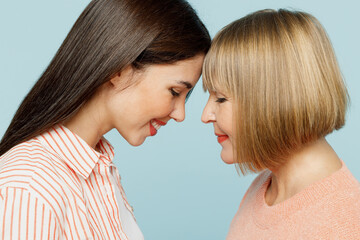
point(311, 163)
point(218, 111)
point(137, 111)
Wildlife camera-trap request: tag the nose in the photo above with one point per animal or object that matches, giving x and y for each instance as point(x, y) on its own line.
point(208, 114)
point(178, 114)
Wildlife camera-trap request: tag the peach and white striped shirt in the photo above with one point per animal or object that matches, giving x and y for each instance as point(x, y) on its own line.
point(55, 186)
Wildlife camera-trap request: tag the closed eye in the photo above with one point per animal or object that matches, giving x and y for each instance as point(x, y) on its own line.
point(174, 93)
point(221, 100)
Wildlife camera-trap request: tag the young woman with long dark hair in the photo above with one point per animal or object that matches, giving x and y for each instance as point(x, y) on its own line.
point(126, 64)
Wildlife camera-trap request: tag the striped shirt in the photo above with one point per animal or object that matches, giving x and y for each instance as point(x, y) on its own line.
point(55, 186)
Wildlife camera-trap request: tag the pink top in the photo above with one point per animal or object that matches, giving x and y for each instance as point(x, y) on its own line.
point(328, 209)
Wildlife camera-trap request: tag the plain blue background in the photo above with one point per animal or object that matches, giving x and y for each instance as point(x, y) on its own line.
point(176, 181)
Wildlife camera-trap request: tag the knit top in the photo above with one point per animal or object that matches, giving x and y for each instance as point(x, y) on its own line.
point(327, 209)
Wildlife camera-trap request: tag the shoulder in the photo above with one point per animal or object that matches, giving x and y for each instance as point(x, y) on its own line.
point(19, 165)
point(33, 169)
point(341, 208)
point(346, 190)
point(345, 201)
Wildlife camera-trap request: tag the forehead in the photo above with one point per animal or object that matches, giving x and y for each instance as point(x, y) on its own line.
point(185, 72)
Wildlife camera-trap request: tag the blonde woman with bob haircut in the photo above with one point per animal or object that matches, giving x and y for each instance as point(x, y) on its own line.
point(276, 91)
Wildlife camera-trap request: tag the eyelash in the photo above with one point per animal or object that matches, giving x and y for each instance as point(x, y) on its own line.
point(188, 95)
point(221, 100)
point(174, 93)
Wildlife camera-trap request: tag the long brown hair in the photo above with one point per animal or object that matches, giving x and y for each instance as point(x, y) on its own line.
point(108, 35)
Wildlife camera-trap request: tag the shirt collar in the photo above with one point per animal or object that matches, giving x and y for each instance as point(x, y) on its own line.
point(75, 152)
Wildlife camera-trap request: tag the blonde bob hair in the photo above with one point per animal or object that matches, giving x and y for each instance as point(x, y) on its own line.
point(280, 70)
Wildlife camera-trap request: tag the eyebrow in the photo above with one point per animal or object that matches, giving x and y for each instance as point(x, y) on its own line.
point(187, 84)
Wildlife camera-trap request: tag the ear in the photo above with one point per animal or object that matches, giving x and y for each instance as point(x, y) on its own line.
point(122, 78)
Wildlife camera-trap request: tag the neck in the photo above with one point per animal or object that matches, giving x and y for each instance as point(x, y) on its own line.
point(89, 122)
point(310, 164)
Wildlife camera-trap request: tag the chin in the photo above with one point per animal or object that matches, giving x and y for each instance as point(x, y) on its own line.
point(135, 142)
point(227, 158)
point(228, 161)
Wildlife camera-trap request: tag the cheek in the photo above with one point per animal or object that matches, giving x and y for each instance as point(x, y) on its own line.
point(115, 107)
point(161, 107)
point(228, 123)
point(225, 123)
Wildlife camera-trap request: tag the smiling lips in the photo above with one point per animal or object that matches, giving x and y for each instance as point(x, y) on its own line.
point(221, 137)
point(155, 125)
